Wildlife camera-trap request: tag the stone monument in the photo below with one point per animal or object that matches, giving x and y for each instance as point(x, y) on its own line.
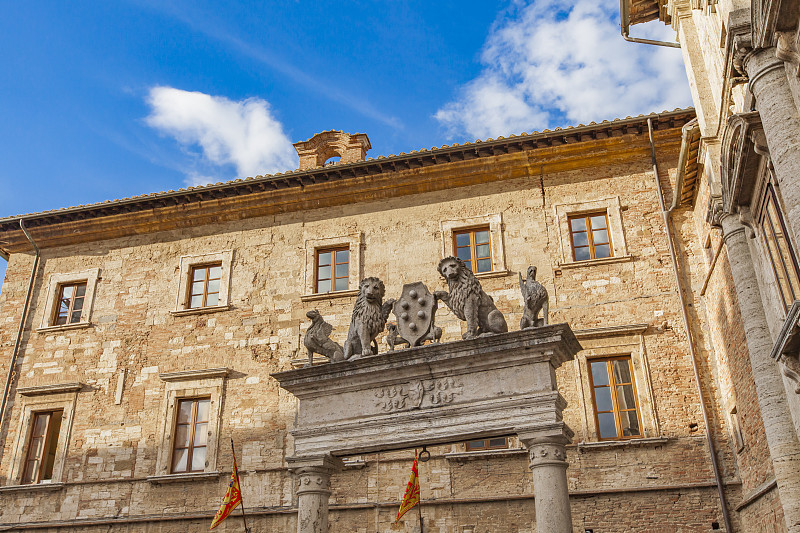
point(495, 385)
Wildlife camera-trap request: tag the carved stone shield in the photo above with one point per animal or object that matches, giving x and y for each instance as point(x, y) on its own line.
point(415, 311)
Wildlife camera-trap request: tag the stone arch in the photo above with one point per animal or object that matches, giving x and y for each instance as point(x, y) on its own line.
point(743, 145)
point(317, 150)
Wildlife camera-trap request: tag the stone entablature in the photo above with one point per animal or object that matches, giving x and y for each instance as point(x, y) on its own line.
point(494, 385)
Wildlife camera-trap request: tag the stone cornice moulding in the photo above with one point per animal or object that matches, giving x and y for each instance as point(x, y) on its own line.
point(611, 331)
point(378, 179)
point(193, 375)
point(41, 390)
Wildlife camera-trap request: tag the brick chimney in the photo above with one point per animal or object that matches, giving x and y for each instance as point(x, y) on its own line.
point(321, 147)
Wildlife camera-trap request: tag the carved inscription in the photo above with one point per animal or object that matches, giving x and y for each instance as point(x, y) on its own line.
point(432, 393)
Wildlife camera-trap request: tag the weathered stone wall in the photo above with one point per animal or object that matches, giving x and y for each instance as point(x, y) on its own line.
point(113, 448)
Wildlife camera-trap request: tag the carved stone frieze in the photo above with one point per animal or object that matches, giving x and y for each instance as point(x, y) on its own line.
point(430, 393)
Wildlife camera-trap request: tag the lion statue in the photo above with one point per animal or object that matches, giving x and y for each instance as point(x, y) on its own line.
point(467, 300)
point(317, 339)
point(369, 319)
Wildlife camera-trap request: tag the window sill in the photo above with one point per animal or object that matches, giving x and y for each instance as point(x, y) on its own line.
point(65, 327)
point(328, 295)
point(620, 443)
point(180, 478)
point(479, 454)
point(33, 486)
point(493, 274)
point(200, 310)
point(593, 262)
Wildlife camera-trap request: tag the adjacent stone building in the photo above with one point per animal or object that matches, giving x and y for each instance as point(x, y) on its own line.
point(742, 61)
point(138, 336)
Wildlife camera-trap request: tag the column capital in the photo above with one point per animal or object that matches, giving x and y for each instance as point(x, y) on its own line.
point(555, 433)
point(544, 454)
point(758, 64)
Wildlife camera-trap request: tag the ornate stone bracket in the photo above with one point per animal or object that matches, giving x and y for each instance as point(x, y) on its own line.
point(787, 348)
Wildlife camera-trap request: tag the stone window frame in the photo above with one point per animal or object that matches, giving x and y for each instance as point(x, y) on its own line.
point(60, 397)
point(495, 223)
point(354, 243)
point(616, 408)
point(609, 342)
point(186, 265)
point(613, 209)
point(206, 383)
point(765, 187)
point(54, 283)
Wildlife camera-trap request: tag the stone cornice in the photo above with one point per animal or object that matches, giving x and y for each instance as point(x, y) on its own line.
point(59, 388)
point(610, 331)
point(374, 179)
point(192, 375)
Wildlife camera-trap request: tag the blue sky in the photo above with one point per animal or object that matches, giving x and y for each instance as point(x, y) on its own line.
point(102, 100)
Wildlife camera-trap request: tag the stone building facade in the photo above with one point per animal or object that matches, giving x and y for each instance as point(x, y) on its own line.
point(742, 61)
point(134, 320)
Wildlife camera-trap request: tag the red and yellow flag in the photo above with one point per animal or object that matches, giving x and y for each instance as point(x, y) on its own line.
point(232, 498)
point(411, 497)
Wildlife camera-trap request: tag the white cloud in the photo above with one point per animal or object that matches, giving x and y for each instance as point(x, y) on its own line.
point(243, 134)
point(563, 62)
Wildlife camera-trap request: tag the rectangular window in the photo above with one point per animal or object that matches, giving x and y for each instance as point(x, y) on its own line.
point(204, 283)
point(499, 443)
point(333, 270)
point(589, 235)
point(779, 250)
point(41, 453)
point(69, 305)
point(191, 435)
point(614, 398)
point(474, 247)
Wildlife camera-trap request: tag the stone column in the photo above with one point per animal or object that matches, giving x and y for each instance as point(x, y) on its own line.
point(781, 122)
point(548, 455)
point(313, 491)
point(778, 426)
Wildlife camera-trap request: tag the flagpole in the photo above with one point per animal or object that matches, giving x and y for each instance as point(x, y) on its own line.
point(419, 502)
point(419, 511)
point(241, 500)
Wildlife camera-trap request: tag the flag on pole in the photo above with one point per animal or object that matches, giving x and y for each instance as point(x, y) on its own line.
point(232, 498)
point(411, 497)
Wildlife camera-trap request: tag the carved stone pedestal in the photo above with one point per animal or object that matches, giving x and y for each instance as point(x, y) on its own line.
point(313, 491)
